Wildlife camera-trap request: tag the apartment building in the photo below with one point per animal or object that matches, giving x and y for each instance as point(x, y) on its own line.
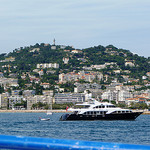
point(48, 65)
point(119, 96)
point(8, 82)
point(14, 100)
point(110, 95)
point(86, 86)
point(4, 100)
point(123, 95)
point(87, 76)
point(60, 98)
point(38, 98)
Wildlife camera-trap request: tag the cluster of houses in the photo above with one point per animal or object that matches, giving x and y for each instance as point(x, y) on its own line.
point(81, 75)
point(114, 92)
point(82, 92)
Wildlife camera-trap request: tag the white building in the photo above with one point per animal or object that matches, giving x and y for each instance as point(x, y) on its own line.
point(53, 47)
point(45, 85)
point(35, 49)
point(65, 60)
point(128, 63)
point(110, 95)
point(46, 99)
point(48, 65)
point(14, 100)
point(4, 100)
point(123, 95)
point(69, 97)
point(119, 96)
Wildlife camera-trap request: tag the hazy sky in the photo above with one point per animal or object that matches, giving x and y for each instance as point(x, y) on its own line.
point(81, 23)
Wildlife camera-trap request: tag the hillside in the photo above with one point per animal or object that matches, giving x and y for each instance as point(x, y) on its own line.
point(33, 55)
point(109, 60)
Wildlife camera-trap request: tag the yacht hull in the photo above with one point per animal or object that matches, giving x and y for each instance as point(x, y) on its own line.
point(123, 116)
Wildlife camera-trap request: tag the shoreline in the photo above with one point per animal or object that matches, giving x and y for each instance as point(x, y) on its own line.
point(31, 111)
point(45, 111)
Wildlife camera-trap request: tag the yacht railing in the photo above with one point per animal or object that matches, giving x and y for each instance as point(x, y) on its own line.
point(34, 143)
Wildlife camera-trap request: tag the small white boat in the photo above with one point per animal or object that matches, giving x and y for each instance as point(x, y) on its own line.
point(44, 119)
point(49, 113)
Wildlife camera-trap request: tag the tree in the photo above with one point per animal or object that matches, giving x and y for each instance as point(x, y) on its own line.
point(138, 106)
point(103, 87)
point(38, 89)
point(40, 105)
point(21, 83)
point(20, 92)
point(105, 100)
point(68, 86)
point(122, 105)
point(23, 103)
point(1, 89)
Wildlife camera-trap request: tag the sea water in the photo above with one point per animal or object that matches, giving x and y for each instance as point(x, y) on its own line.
point(28, 124)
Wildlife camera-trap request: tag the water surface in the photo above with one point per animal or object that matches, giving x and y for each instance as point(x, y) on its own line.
point(28, 124)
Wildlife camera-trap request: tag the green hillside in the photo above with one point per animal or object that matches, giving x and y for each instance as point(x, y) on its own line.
point(25, 59)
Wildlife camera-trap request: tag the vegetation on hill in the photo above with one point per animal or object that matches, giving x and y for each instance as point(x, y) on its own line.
point(27, 58)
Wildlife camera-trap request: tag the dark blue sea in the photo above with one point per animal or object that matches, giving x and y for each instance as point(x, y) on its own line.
point(28, 124)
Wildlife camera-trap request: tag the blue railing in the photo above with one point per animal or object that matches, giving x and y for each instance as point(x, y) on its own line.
point(33, 143)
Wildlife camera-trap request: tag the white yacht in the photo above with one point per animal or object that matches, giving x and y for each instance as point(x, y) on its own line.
point(94, 110)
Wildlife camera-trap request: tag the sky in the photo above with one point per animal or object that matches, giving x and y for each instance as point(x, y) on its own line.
point(79, 23)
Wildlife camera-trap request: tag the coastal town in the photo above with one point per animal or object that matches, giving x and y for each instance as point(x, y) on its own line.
point(74, 75)
point(71, 78)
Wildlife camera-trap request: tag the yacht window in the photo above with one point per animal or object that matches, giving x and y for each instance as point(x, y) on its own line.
point(103, 106)
point(94, 112)
point(99, 106)
point(96, 107)
point(119, 111)
point(111, 106)
point(87, 106)
point(82, 106)
point(102, 112)
point(88, 112)
point(75, 112)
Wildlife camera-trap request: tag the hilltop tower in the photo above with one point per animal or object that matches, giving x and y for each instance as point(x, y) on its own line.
point(53, 46)
point(54, 41)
